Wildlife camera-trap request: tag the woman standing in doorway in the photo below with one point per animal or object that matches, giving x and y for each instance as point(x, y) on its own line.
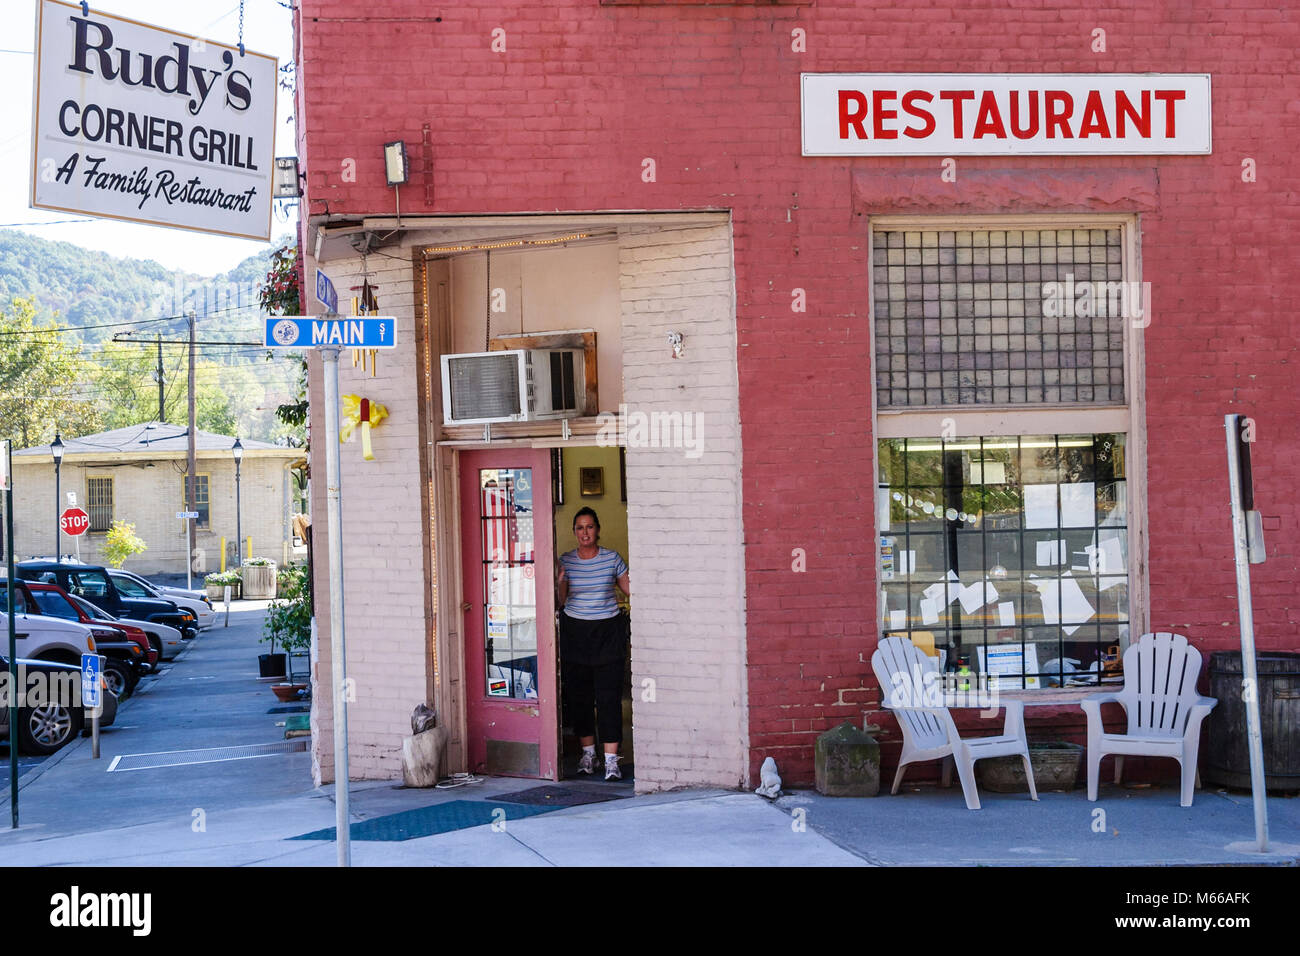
point(592, 643)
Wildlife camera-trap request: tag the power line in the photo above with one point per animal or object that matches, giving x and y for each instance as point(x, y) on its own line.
point(51, 222)
point(115, 325)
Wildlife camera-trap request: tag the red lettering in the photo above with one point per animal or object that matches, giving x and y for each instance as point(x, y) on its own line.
point(1054, 118)
point(880, 114)
point(989, 120)
point(1141, 120)
point(1094, 117)
point(1169, 98)
point(855, 118)
point(956, 97)
point(1031, 130)
point(922, 114)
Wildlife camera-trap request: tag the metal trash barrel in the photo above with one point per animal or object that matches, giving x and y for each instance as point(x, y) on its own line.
point(1227, 754)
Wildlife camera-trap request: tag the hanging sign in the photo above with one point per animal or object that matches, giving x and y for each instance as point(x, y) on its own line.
point(139, 123)
point(1009, 114)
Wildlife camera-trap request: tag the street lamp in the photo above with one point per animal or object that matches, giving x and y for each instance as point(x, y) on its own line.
point(238, 451)
point(56, 449)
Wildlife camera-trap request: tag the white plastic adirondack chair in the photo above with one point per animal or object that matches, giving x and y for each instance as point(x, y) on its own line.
point(1164, 710)
point(929, 732)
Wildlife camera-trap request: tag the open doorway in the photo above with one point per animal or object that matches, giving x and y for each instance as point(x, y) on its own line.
point(593, 477)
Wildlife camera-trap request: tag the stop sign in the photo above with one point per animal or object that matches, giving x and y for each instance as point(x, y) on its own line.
point(74, 521)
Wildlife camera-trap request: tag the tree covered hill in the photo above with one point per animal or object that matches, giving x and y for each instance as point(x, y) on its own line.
point(107, 383)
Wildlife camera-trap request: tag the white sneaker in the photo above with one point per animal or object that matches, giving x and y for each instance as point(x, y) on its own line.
point(611, 767)
point(587, 764)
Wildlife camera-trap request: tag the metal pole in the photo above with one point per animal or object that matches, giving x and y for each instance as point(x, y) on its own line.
point(191, 466)
point(333, 465)
point(58, 537)
point(239, 517)
point(13, 637)
point(1246, 614)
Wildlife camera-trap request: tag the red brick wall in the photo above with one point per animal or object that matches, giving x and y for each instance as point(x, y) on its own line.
point(584, 92)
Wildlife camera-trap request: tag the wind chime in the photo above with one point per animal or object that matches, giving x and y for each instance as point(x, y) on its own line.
point(360, 414)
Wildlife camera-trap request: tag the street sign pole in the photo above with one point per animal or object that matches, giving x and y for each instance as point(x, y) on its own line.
point(10, 557)
point(1250, 679)
point(333, 467)
point(331, 334)
point(92, 696)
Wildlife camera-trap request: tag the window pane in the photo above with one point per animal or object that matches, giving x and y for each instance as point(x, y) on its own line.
point(509, 582)
point(1010, 553)
point(99, 503)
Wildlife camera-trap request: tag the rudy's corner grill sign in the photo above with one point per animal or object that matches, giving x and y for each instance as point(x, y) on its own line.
point(139, 123)
point(973, 114)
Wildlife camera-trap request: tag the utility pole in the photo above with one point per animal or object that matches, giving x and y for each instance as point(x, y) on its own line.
point(191, 463)
point(162, 412)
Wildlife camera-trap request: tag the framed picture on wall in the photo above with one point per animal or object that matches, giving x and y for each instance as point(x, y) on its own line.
point(592, 482)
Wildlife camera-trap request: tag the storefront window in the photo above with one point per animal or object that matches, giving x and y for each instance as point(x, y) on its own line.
point(509, 591)
point(1009, 552)
point(1003, 545)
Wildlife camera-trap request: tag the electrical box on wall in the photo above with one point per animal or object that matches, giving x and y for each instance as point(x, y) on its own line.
point(520, 385)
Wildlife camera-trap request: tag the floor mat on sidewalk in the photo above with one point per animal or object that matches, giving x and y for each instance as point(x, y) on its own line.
point(291, 709)
point(552, 796)
point(428, 821)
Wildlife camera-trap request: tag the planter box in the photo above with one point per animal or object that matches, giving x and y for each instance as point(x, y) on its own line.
point(1056, 767)
point(259, 581)
point(217, 592)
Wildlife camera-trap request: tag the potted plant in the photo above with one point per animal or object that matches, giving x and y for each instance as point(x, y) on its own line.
point(216, 583)
point(288, 618)
point(259, 578)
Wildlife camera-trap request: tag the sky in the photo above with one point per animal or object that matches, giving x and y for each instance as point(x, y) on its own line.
point(267, 29)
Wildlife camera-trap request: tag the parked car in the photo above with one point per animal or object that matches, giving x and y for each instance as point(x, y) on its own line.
point(52, 599)
point(134, 586)
point(47, 724)
point(93, 583)
point(42, 636)
point(166, 641)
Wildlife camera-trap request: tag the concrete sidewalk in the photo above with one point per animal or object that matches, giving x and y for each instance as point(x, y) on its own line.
point(247, 811)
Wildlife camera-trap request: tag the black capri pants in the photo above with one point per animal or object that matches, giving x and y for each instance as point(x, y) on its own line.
point(593, 656)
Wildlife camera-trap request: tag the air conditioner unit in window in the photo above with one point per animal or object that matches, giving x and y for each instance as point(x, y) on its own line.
point(521, 385)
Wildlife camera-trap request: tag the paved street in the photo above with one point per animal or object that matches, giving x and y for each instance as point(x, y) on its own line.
point(209, 696)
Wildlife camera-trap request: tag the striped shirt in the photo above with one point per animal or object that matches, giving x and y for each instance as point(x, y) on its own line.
point(591, 584)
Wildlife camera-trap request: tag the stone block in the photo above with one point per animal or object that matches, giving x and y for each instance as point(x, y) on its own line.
point(847, 763)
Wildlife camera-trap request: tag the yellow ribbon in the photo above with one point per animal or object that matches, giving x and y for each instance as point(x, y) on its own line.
point(351, 418)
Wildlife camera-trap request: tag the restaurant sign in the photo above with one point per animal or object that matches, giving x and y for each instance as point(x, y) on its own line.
point(139, 123)
point(976, 114)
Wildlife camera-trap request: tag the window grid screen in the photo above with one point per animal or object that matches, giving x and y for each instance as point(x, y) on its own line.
point(962, 317)
point(99, 503)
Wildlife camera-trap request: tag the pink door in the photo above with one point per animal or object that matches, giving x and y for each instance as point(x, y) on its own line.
point(510, 662)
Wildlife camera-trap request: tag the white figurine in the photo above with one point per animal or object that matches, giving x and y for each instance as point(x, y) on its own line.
point(771, 780)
